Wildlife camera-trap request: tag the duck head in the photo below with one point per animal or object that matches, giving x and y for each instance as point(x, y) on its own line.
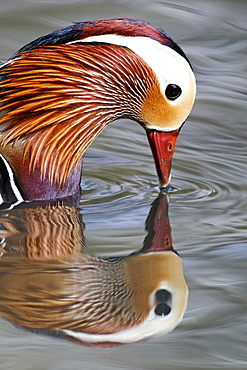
point(61, 90)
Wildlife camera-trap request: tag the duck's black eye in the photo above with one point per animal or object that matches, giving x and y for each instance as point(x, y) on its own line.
point(173, 91)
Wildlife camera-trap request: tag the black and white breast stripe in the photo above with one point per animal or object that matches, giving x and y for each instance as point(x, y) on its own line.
point(9, 190)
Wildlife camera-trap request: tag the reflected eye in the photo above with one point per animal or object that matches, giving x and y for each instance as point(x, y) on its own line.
point(173, 91)
point(162, 309)
point(163, 298)
point(163, 295)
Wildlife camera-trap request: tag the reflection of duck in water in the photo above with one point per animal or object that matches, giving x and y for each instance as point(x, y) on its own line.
point(95, 300)
point(60, 91)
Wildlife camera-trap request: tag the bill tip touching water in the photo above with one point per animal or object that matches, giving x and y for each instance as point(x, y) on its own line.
point(60, 91)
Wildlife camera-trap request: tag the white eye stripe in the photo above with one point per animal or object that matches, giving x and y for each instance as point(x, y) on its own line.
point(169, 66)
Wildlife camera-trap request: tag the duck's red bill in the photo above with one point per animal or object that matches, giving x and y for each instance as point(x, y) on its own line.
point(162, 145)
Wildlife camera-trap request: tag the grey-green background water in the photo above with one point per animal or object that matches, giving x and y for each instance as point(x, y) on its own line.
point(207, 204)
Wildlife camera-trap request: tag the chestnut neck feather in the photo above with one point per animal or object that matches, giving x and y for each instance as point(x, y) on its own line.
point(57, 99)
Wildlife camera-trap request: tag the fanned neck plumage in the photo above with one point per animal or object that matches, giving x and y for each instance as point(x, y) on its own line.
point(57, 100)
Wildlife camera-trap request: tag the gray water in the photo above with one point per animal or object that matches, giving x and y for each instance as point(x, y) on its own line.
point(208, 196)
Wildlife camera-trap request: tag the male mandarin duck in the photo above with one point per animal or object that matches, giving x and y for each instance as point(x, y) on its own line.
point(60, 91)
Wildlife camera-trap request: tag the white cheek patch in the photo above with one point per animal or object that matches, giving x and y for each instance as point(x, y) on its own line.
point(169, 66)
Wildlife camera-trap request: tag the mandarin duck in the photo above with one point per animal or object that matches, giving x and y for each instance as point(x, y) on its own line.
point(60, 91)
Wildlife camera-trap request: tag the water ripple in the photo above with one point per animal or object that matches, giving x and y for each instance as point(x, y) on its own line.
point(196, 190)
point(101, 195)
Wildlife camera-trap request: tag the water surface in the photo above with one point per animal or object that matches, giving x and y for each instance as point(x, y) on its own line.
point(208, 195)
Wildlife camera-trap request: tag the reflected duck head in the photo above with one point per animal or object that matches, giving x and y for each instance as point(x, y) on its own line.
point(61, 90)
point(50, 286)
point(147, 298)
point(96, 301)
